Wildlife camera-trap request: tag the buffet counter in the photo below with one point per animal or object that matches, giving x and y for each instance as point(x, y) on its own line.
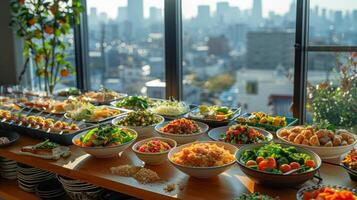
point(82, 166)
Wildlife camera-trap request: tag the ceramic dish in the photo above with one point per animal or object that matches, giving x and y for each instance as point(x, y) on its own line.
point(324, 152)
point(153, 158)
point(203, 172)
point(212, 122)
point(143, 131)
point(216, 133)
point(182, 138)
point(300, 193)
point(106, 152)
point(12, 136)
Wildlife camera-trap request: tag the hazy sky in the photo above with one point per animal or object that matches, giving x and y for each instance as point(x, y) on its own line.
point(189, 7)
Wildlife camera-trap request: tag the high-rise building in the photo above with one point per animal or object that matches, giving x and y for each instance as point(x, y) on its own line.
point(155, 14)
point(135, 12)
point(222, 10)
point(259, 54)
point(257, 12)
point(122, 14)
point(203, 15)
point(354, 19)
point(338, 19)
point(93, 11)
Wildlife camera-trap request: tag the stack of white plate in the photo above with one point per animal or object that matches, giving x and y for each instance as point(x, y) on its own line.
point(50, 189)
point(29, 177)
point(79, 190)
point(8, 169)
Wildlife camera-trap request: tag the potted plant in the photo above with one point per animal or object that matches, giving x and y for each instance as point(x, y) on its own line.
point(44, 26)
point(336, 103)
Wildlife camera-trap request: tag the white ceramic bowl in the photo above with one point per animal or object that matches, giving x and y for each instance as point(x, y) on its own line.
point(215, 134)
point(143, 131)
point(153, 158)
point(203, 172)
point(106, 152)
point(181, 138)
point(324, 152)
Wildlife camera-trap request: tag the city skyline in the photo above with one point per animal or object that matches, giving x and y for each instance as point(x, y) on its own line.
point(190, 8)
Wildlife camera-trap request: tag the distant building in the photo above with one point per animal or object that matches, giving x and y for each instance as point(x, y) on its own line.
point(203, 14)
point(122, 14)
point(155, 15)
point(135, 13)
point(268, 49)
point(237, 35)
point(222, 10)
point(218, 46)
point(257, 12)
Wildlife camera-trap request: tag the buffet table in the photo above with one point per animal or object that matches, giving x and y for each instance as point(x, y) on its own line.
point(97, 171)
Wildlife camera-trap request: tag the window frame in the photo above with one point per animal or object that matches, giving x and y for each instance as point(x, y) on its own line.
point(173, 52)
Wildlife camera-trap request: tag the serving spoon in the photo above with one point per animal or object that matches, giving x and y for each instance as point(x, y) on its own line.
point(292, 171)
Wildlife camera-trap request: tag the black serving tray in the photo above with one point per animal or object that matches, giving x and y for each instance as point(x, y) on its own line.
point(64, 138)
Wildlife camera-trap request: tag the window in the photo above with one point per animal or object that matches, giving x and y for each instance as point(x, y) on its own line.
point(332, 63)
point(333, 23)
point(239, 53)
point(126, 46)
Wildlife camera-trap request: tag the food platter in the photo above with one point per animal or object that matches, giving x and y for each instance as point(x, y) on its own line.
point(289, 122)
point(55, 135)
point(195, 114)
point(100, 119)
point(302, 191)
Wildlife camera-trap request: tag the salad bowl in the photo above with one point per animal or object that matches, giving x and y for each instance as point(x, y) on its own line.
point(152, 158)
point(182, 138)
point(105, 151)
point(143, 131)
point(278, 180)
point(216, 134)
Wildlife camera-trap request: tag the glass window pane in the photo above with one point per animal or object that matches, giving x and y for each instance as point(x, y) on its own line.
point(332, 88)
point(333, 22)
point(126, 46)
point(239, 53)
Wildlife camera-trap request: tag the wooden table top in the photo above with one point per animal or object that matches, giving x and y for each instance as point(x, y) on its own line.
point(228, 185)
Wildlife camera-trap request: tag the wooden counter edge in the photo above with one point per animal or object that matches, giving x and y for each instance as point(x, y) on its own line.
point(77, 174)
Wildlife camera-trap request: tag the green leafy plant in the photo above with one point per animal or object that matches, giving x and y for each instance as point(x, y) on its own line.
point(336, 103)
point(45, 25)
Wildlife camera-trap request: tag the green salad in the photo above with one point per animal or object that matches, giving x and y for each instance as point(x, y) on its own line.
point(108, 135)
point(274, 158)
point(139, 118)
point(256, 196)
point(134, 103)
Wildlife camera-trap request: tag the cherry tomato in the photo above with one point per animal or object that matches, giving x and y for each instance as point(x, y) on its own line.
point(259, 159)
point(271, 163)
point(294, 165)
point(250, 163)
point(285, 168)
point(263, 165)
point(310, 163)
